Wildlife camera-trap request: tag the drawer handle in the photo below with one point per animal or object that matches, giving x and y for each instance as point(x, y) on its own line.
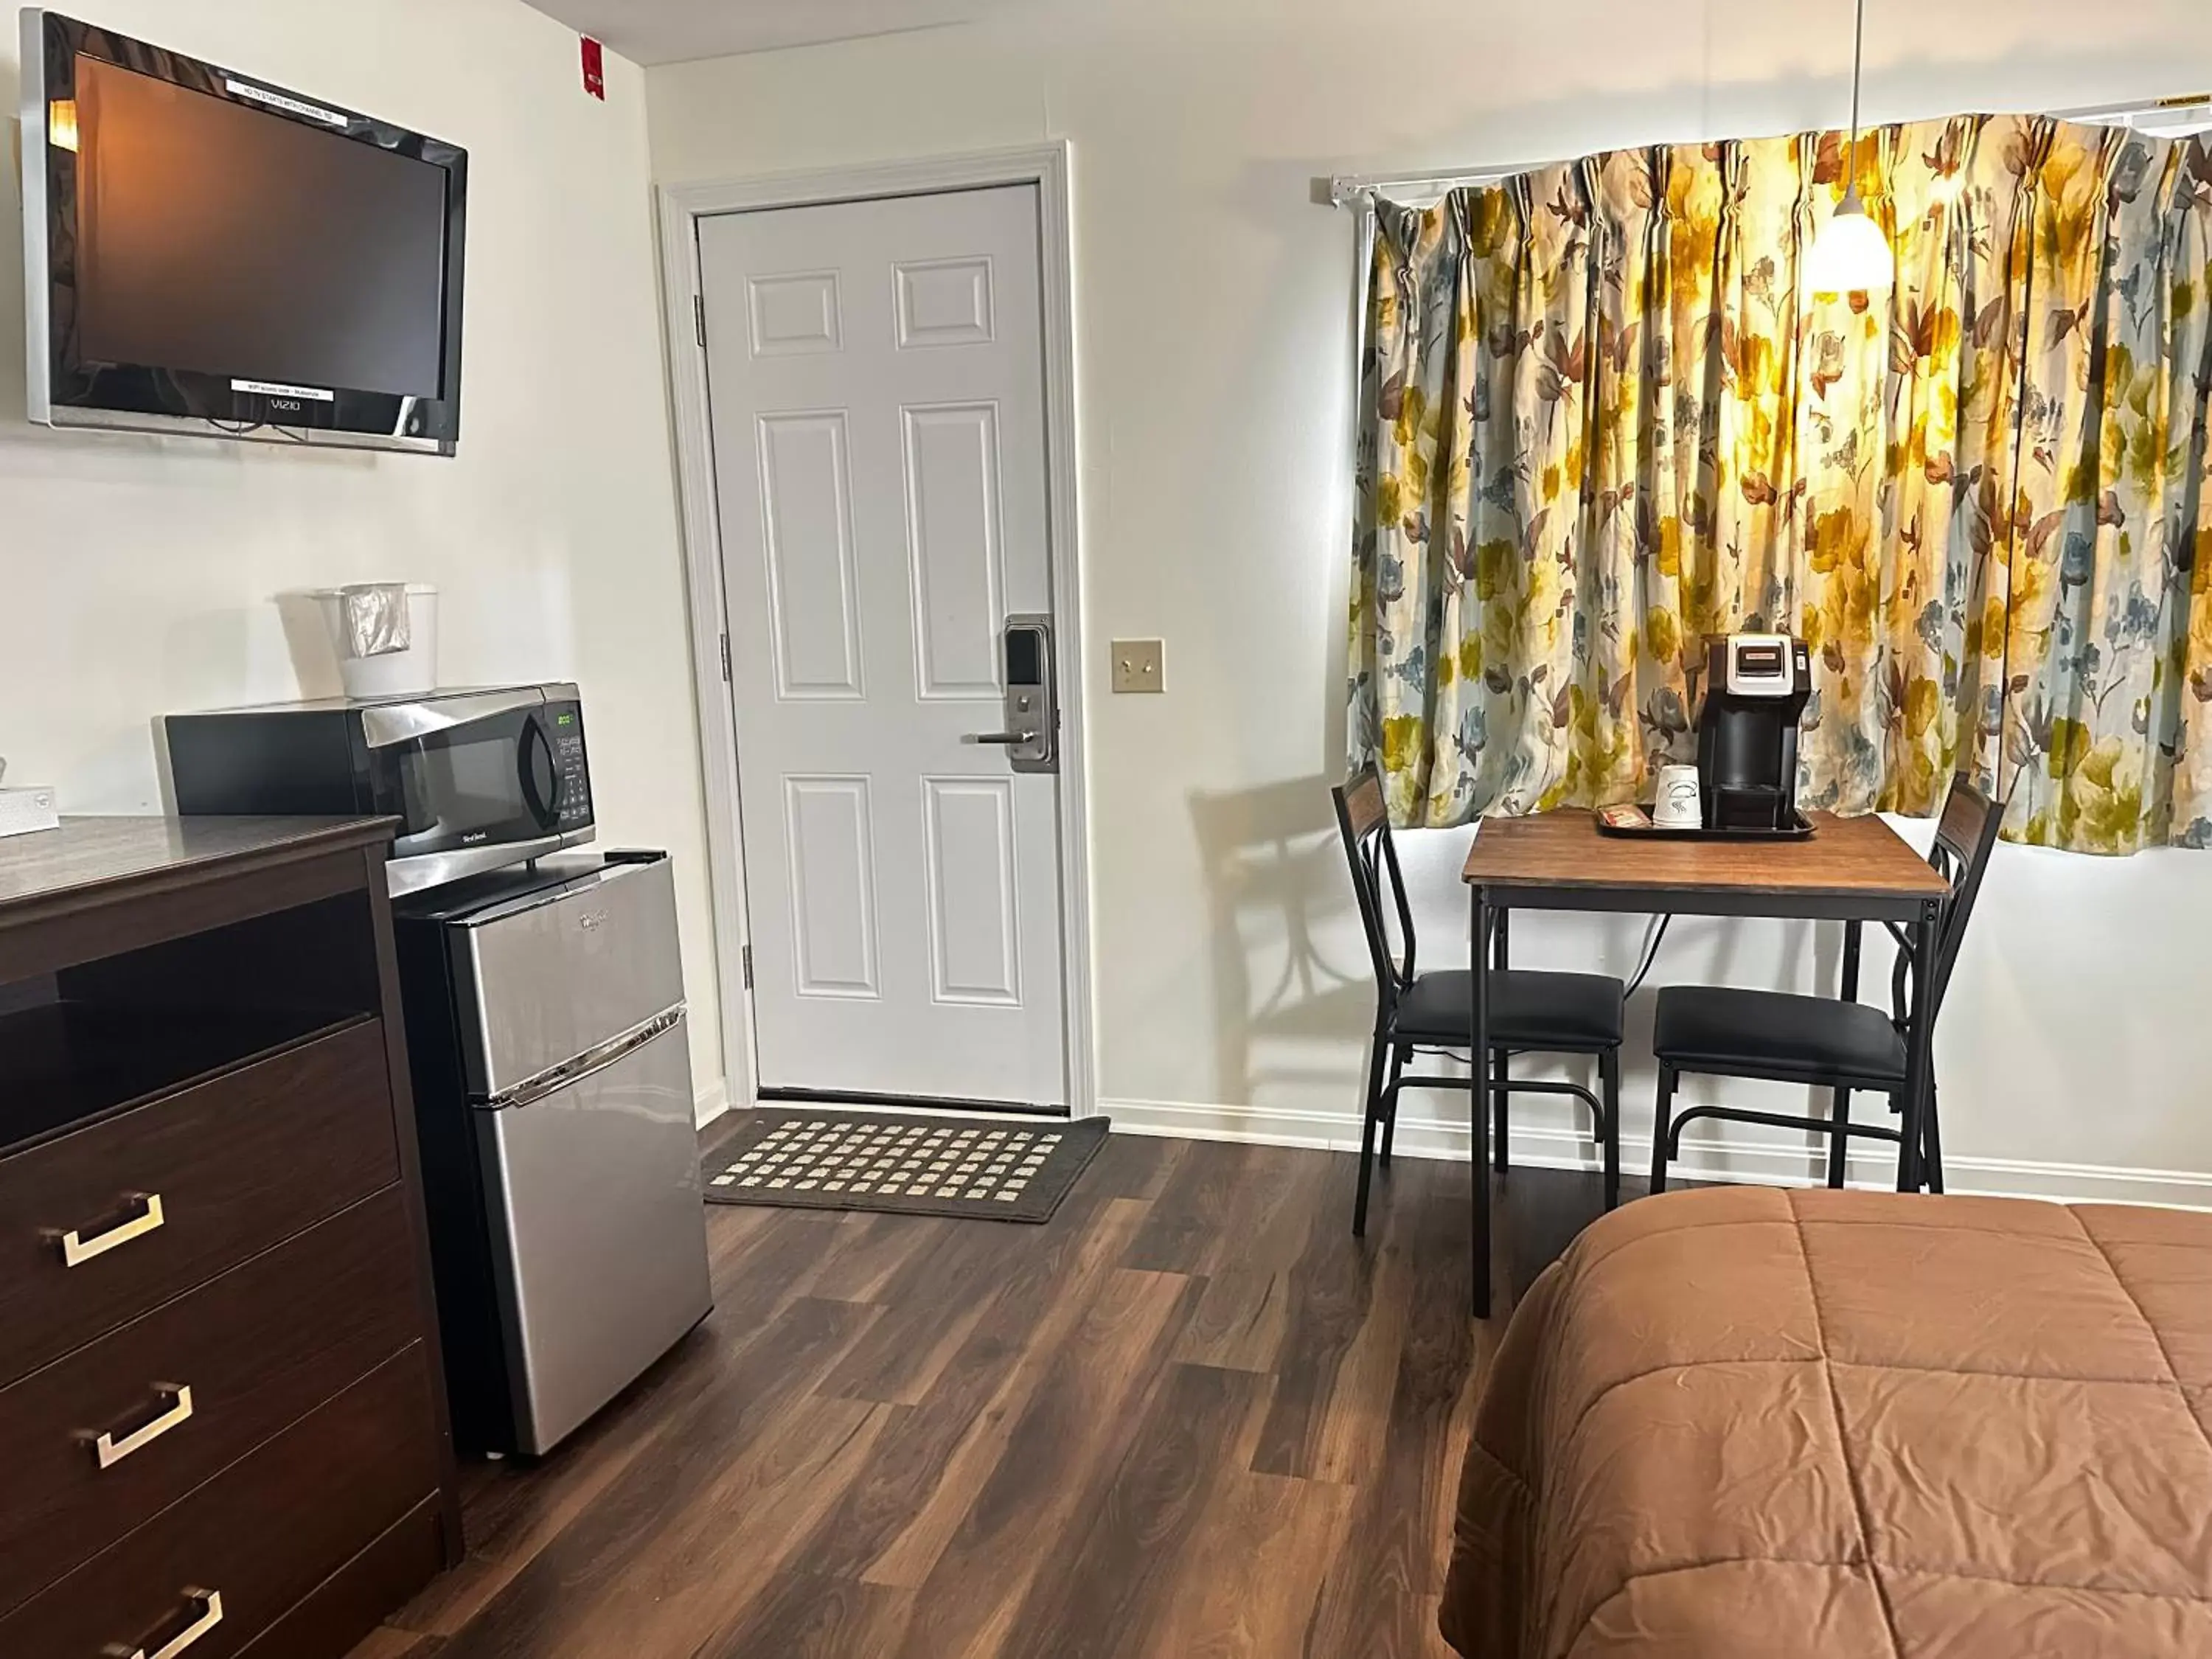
point(77, 1251)
point(111, 1451)
point(210, 1603)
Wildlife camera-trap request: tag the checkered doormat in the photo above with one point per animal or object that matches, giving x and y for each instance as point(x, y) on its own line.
point(955, 1166)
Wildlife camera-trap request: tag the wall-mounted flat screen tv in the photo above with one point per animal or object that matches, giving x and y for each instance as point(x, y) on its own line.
point(207, 252)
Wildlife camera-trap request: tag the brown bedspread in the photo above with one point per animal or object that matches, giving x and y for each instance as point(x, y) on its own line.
point(1849, 1425)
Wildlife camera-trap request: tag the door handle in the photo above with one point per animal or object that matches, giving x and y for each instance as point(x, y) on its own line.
point(555, 1079)
point(210, 1603)
point(76, 1250)
point(1029, 696)
point(111, 1451)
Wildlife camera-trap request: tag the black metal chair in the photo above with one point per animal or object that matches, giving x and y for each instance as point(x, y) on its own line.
point(1530, 1012)
point(1839, 1044)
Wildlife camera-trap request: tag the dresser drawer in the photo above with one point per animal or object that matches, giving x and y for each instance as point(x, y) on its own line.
point(180, 1393)
point(352, 1602)
point(231, 1558)
point(152, 1202)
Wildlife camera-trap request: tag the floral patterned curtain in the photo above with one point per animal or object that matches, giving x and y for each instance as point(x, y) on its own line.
point(1600, 422)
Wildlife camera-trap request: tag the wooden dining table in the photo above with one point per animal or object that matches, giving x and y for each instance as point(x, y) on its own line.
point(1851, 870)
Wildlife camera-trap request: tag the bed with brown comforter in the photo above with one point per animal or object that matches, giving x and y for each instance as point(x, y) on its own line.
point(1740, 1423)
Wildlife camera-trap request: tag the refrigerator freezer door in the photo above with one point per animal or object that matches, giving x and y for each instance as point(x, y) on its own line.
point(552, 975)
point(598, 1229)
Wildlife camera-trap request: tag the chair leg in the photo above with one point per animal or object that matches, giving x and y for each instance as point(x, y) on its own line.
point(1399, 1056)
point(1500, 1068)
point(1838, 1141)
point(1932, 1152)
point(1663, 1118)
point(1608, 1073)
point(1367, 1135)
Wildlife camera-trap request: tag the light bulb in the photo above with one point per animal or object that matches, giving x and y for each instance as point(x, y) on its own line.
point(1851, 255)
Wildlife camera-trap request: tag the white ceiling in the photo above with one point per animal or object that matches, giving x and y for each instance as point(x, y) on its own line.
point(670, 31)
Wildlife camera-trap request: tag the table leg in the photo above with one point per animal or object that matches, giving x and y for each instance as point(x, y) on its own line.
point(1499, 1101)
point(1479, 1059)
point(1919, 1073)
point(1840, 1109)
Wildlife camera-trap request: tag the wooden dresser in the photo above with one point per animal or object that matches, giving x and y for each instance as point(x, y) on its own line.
point(222, 1411)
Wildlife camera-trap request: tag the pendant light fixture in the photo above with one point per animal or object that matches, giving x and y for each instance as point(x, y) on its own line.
point(1852, 254)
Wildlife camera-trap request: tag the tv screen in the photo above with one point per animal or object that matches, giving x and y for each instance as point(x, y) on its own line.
point(207, 252)
point(213, 237)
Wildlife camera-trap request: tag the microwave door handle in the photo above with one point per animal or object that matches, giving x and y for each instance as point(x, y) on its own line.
point(544, 808)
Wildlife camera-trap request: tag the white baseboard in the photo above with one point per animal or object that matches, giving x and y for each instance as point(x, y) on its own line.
point(1548, 1146)
point(1762, 1162)
point(709, 1101)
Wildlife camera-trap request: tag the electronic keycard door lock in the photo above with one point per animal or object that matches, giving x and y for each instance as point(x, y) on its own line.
point(1031, 734)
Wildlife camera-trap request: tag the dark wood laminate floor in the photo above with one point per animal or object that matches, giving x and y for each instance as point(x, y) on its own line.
point(1190, 1416)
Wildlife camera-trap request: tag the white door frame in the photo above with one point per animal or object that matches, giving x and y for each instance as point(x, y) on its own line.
point(682, 206)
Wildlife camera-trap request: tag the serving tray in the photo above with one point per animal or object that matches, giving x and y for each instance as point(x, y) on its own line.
point(1649, 830)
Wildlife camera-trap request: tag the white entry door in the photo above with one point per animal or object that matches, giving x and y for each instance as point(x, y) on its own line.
point(875, 380)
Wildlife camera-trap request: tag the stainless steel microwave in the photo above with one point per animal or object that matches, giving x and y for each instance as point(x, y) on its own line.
point(478, 779)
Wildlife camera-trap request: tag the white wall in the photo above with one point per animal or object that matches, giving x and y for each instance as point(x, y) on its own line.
point(137, 574)
point(1214, 305)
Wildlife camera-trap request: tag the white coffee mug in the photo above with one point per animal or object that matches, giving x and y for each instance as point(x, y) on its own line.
point(1676, 805)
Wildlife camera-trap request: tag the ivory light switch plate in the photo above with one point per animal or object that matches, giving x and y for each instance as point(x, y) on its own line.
point(1137, 664)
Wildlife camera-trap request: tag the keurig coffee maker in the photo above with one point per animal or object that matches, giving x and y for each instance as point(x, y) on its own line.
point(1756, 685)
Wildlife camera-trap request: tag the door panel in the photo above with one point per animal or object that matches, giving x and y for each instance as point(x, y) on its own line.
point(945, 302)
point(796, 313)
point(812, 591)
point(876, 381)
point(551, 976)
point(975, 938)
point(833, 886)
point(594, 1210)
point(951, 464)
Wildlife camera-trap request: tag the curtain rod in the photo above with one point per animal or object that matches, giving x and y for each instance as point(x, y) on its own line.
point(1351, 188)
point(2167, 116)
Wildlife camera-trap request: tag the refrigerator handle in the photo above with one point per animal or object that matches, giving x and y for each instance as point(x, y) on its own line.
point(554, 1079)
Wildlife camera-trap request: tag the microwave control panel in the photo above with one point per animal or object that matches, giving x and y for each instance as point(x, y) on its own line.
point(565, 723)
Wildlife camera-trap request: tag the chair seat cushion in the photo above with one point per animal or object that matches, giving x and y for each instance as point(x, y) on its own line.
point(1528, 1008)
point(1726, 1030)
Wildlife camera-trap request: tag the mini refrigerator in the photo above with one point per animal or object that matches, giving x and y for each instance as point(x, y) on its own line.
point(560, 1159)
